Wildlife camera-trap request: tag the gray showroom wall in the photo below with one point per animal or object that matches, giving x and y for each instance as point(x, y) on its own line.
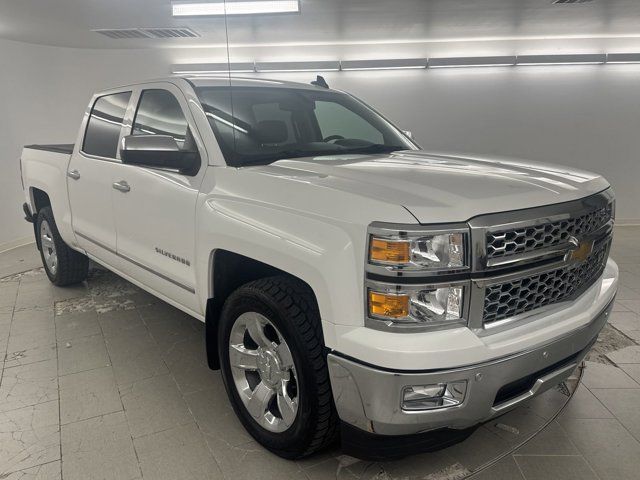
point(43, 94)
point(587, 116)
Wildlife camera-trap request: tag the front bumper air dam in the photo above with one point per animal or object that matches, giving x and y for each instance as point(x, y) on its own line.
point(368, 399)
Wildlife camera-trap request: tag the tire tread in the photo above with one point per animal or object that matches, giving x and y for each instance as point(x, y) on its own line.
point(73, 266)
point(299, 304)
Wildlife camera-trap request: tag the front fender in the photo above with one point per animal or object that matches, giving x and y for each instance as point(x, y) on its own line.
point(327, 255)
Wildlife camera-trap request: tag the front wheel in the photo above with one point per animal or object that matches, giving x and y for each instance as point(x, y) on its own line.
point(274, 367)
point(64, 266)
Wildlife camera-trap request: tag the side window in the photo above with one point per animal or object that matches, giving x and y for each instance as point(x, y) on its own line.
point(334, 119)
point(159, 113)
point(103, 130)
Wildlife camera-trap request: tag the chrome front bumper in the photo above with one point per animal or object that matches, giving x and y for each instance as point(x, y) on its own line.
point(369, 398)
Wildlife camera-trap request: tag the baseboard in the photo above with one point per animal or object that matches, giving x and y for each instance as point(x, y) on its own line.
point(4, 247)
point(627, 222)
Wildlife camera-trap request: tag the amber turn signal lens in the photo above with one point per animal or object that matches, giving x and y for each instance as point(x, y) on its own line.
point(386, 305)
point(389, 251)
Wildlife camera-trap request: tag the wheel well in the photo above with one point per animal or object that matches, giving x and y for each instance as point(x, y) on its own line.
point(40, 200)
point(229, 271)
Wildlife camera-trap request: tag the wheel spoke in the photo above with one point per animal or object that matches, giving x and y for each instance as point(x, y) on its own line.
point(256, 331)
point(241, 357)
point(47, 242)
point(259, 401)
point(287, 407)
point(286, 359)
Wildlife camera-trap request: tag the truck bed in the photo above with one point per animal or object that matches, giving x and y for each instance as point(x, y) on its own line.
point(58, 148)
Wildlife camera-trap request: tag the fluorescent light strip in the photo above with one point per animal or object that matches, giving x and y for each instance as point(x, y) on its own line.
point(319, 66)
point(393, 64)
point(468, 62)
point(623, 58)
point(213, 68)
point(577, 59)
point(257, 7)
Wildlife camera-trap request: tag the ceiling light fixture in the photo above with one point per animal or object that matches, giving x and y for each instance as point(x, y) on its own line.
point(576, 59)
point(213, 68)
point(407, 63)
point(461, 62)
point(391, 64)
point(317, 66)
point(232, 7)
point(623, 58)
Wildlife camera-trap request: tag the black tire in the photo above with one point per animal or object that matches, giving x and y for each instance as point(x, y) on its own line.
point(72, 266)
point(290, 305)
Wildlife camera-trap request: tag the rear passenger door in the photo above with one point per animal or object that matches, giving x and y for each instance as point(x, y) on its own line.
point(155, 216)
point(89, 175)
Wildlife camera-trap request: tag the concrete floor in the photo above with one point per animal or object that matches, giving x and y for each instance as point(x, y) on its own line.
point(103, 381)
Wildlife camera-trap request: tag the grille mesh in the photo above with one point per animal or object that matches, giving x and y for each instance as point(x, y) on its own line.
point(527, 239)
point(512, 298)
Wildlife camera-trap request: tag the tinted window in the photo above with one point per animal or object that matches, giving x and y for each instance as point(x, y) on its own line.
point(105, 123)
point(259, 125)
point(159, 113)
point(337, 121)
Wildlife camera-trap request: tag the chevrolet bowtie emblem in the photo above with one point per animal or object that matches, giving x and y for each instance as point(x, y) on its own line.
point(579, 250)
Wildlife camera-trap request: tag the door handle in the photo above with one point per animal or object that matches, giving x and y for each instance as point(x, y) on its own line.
point(122, 186)
point(75, 174)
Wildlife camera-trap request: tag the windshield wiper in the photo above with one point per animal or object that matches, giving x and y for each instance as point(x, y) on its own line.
point(298, 153)
point(376, 148)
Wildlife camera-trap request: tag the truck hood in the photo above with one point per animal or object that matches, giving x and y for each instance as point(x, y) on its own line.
point(439, 187)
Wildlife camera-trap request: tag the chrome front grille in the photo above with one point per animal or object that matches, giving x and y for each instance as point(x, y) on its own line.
point(505, 300)
point(515, 241)
point(525, 260)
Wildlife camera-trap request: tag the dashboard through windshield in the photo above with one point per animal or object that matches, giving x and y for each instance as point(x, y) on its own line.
point(258, 126)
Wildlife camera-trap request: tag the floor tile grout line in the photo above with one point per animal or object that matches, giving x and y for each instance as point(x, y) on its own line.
point(133, 444)
point(519, 467)
point(93, 417)
point(584, 456)
point(13, 312)
point(182, 395)
point(615, 417)
point(5, 474)
point(55, 331)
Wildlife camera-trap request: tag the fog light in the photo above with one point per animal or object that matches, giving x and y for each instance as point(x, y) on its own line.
point(430, 397)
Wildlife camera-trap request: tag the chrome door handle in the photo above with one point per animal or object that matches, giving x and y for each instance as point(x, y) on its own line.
point(122, 186)
point(75, 174)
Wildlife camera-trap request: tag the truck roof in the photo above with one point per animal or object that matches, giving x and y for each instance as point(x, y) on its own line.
point(221, 81)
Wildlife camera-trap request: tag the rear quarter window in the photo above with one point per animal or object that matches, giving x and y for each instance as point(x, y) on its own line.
point(104, 126)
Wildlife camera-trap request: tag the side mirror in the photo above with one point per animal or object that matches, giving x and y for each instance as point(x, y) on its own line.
point(158, 151)
point(408, 133)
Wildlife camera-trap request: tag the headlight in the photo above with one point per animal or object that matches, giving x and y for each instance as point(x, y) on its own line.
point(418, 250)
point(426, 301)
point(392, 306)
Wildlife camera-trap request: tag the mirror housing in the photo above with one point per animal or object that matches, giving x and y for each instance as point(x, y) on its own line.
point(158, 151)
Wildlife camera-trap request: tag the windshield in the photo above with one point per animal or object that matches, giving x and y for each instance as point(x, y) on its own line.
point(270, 124)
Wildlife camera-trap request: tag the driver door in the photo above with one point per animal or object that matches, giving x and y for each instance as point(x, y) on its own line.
point(154, 208)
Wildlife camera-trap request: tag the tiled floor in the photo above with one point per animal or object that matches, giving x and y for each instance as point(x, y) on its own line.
point(103, 381)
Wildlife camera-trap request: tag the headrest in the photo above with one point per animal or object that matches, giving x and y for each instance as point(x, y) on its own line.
point(272, 131)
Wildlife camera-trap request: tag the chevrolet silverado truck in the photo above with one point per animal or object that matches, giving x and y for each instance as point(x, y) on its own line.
point(352, 284)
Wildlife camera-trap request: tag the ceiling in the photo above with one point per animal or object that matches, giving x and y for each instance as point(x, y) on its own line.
point(68, 23)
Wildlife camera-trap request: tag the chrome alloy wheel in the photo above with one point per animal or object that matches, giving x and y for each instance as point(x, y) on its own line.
point(48, 247)
point(263, 372)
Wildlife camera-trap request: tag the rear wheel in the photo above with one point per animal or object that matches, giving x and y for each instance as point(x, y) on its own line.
point(274, 366)
point(64, 266)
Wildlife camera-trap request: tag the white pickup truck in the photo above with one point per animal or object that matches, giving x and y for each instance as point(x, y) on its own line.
point(351, 283)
